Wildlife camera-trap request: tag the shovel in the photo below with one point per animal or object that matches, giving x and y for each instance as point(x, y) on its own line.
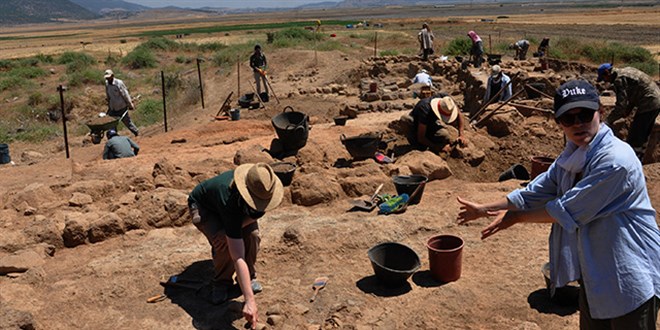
point(176, 281)
point(367, 205)
point(319, 284)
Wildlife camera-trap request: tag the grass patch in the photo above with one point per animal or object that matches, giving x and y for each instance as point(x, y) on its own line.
point(458, 46)
point(33, 131)
point(140, 57)
point(240, 27)
point(160, 43)
point(27, 72)
point(149, 111)
point(389, 52)
point(227, 57)
point(14, 82)
point(76, 61)
point(84, 77)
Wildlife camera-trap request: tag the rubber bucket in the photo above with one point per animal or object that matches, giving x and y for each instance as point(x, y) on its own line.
point(407, 184)
point(393, 263)
point(540, 164)
point(516, 171)
point(445, 257)
point(292, 128)
point(361, 147)
point(4, 154)
point(284, 171)
point(340, 120)
point(235, 114)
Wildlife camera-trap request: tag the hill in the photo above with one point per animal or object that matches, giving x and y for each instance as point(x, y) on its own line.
point(104, 6)
point(40, 11)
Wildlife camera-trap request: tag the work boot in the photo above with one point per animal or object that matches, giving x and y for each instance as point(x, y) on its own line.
point(219, 293)
point(256, 286)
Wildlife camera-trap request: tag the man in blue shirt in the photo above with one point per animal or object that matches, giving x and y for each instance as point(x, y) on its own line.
point(498, 80)
point(604, 231)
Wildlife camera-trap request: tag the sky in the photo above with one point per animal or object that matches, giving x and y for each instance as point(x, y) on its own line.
point(226, 3)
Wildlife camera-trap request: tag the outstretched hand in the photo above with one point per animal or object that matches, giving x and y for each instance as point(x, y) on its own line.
point(501, 222)
point(470, 211)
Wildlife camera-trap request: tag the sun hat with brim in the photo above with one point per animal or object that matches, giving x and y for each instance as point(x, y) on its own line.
point(445, 108)
point(257, 183)
point(108, 73)
point(602, 69)
point(575, 94)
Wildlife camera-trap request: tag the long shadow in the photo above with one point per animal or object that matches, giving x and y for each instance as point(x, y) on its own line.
point(562, 306)
point(370, 284)
point(197, 303)
point(425, 280)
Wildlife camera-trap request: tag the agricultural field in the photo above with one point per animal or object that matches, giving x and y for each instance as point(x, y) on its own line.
point(130, 214)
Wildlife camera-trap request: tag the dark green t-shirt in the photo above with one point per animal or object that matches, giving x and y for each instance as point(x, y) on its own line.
point(219, 196)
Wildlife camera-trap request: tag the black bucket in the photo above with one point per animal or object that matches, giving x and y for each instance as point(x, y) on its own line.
point(284, 171)
point(532, 94)
point(264, 96)
point(292, 129)
point(246, 101)
point(407, 184)
point(393, 263)
point(362, 146)
point(4, 154)
point(516, 171)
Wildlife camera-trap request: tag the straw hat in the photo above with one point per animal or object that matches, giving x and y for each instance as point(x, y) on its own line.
point(259, 186)
point(108, 73)
point(445, 108)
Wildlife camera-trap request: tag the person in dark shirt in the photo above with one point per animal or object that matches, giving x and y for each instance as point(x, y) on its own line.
point(119, 146)
point(428, 121)
point(259, 65)
point(225, 209)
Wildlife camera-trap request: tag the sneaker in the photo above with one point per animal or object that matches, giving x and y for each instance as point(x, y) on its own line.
point(219, 294)
point(256, 286)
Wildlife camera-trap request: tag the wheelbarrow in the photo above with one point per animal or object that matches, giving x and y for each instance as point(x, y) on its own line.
point(102, 124)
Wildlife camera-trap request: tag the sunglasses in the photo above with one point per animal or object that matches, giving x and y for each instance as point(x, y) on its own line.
point(584, 116)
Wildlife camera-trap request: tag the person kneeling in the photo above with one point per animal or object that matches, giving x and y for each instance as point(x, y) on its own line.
point(119, 146)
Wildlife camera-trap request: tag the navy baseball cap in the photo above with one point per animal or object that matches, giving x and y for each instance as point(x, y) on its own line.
point(601, 70)
point(575, 94)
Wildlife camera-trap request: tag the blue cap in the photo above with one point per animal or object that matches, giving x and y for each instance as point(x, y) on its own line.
point(575, 94)
point(111, 133)
point(601, 70)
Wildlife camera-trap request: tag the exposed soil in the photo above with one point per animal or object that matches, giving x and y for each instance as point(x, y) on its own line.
point(135, 228)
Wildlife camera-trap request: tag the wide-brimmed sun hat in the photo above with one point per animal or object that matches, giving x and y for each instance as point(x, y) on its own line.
point(495, 71)
point(257, 183)
point(445, 108)
point(108, 73)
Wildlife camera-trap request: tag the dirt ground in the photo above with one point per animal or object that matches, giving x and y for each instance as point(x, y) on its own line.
point(139, 230)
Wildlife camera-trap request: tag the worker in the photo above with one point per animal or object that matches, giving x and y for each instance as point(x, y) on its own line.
point(119, 146)
point(634, 90)
point(477, 50)
point(497, 81)
point(604, 232)
point(259, 64)
point(425, 38)
point(423, 77)
point(543, 49)
point(119, 100)
point(427, 124)
point(225, 209)
point(521, 47)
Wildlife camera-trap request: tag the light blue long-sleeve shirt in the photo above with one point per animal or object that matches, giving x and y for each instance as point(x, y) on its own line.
point(605, 230)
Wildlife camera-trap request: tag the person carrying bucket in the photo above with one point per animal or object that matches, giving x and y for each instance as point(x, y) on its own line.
point(604, 233)
point(259, 64)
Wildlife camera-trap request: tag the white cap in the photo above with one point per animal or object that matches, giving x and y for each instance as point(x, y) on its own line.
point(495, 70)
point(108, 73)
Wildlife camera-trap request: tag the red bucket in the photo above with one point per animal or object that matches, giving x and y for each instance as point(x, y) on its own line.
point(445, 257)
point(540, 164)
